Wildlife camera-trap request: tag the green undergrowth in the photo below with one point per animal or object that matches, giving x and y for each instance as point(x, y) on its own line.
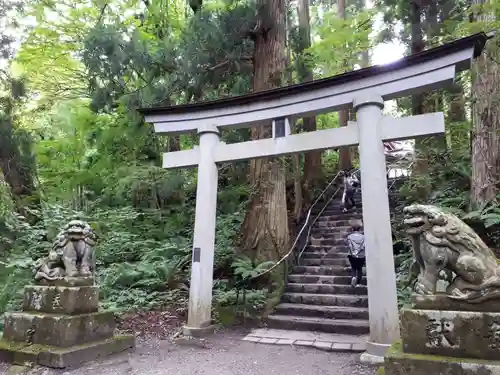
point(143, 259)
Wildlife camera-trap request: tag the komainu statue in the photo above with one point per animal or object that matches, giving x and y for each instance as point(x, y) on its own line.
point(443, 242)
point(71, 255)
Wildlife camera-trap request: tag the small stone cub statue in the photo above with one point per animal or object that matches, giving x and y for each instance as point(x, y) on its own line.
point(71, 255)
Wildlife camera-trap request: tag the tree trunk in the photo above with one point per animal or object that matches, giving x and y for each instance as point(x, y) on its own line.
point(298, 189)
point(344, 152)
point(313, 172)
point(418, 101)
point(265, 228)
point(174, 143)
point(433, 101)
point(486, 120)
point(17, 169)
point(458, 135)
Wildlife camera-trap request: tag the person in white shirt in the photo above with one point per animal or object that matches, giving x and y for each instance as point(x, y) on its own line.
point(350, 182)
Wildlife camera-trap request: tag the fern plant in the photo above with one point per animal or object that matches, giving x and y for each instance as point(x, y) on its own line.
point(488, 214)
point(245, 268)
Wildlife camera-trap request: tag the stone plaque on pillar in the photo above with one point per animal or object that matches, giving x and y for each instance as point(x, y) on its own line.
point(61, 325)
point(196, 254)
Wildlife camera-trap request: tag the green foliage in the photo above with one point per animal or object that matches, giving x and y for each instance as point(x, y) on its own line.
point(341, 42)
point(488, 214)
point(143, 258)
point(245, 268)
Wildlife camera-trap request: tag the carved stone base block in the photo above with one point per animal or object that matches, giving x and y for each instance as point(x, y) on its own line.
point(68, 281)
point(451, 333)
point(60, 327)
point(51, 356)
point(58, 330)
point(61, 299)
point(443, 302)
point(398, 363)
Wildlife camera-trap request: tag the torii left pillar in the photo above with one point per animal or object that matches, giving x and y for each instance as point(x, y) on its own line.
point(200, 292)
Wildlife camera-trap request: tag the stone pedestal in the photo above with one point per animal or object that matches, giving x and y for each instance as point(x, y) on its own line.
point(60, 326)
point(445, 341)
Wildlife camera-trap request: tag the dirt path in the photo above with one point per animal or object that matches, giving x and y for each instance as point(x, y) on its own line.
point(222, 354)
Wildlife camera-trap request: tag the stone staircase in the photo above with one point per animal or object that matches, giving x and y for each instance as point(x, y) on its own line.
point(318, 295)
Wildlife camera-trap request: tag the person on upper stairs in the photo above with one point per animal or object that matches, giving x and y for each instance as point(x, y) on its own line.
point(350, 183)
point(356, 243)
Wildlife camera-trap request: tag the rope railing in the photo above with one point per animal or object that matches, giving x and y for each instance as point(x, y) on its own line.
point(308, 217)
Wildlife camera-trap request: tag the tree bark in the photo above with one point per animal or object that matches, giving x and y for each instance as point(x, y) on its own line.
point(174, 143)
point(418, 101)
point(486, 120)
point(433, 101)
point(458, 136)
point(344, 152)
point(313, 172)
point(297, 200)
point(265, 228)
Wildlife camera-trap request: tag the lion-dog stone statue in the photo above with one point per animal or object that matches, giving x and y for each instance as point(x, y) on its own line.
point(443, 242)
point(71, 255)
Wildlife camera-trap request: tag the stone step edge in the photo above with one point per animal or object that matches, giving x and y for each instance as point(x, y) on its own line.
point(301, 306)
point(336, 295)
point(325, 321)
point(328, 346)
point(320, 284)
point(321, 276)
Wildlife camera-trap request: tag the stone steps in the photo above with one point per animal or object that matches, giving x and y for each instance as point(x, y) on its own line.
point(318, 295)
point(325, 289)
point(328, 241)
point(337, 225)
point(322, 279)
point(335, 215)
point(332, 253)
point(330, 234)
point(322, 270)
point(327, 312)
point(347, 300)
point(333, 222)
point(323, 254)
point(323, 249)
point(340, 261)
point(304, 323)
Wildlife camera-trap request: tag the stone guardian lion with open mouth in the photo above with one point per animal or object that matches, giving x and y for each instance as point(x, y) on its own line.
point(443, 242)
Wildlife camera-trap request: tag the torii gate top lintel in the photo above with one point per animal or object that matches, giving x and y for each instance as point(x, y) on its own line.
point(430, 69)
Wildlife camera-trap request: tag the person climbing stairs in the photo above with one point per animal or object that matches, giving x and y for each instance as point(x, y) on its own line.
point(318, 294)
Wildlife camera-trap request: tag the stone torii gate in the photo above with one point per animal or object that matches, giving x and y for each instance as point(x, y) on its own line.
point(365, 90)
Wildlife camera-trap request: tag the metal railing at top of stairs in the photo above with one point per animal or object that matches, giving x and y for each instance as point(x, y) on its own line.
point(319, 215)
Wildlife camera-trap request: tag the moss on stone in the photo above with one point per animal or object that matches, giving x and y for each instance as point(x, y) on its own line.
point(381, 370)
point(17, 370)
point(396, 351)
point(13, 345)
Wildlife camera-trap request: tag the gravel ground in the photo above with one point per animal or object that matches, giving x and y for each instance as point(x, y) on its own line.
point(222, 354)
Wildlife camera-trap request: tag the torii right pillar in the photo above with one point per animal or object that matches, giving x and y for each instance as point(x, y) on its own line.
point(380, 272)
